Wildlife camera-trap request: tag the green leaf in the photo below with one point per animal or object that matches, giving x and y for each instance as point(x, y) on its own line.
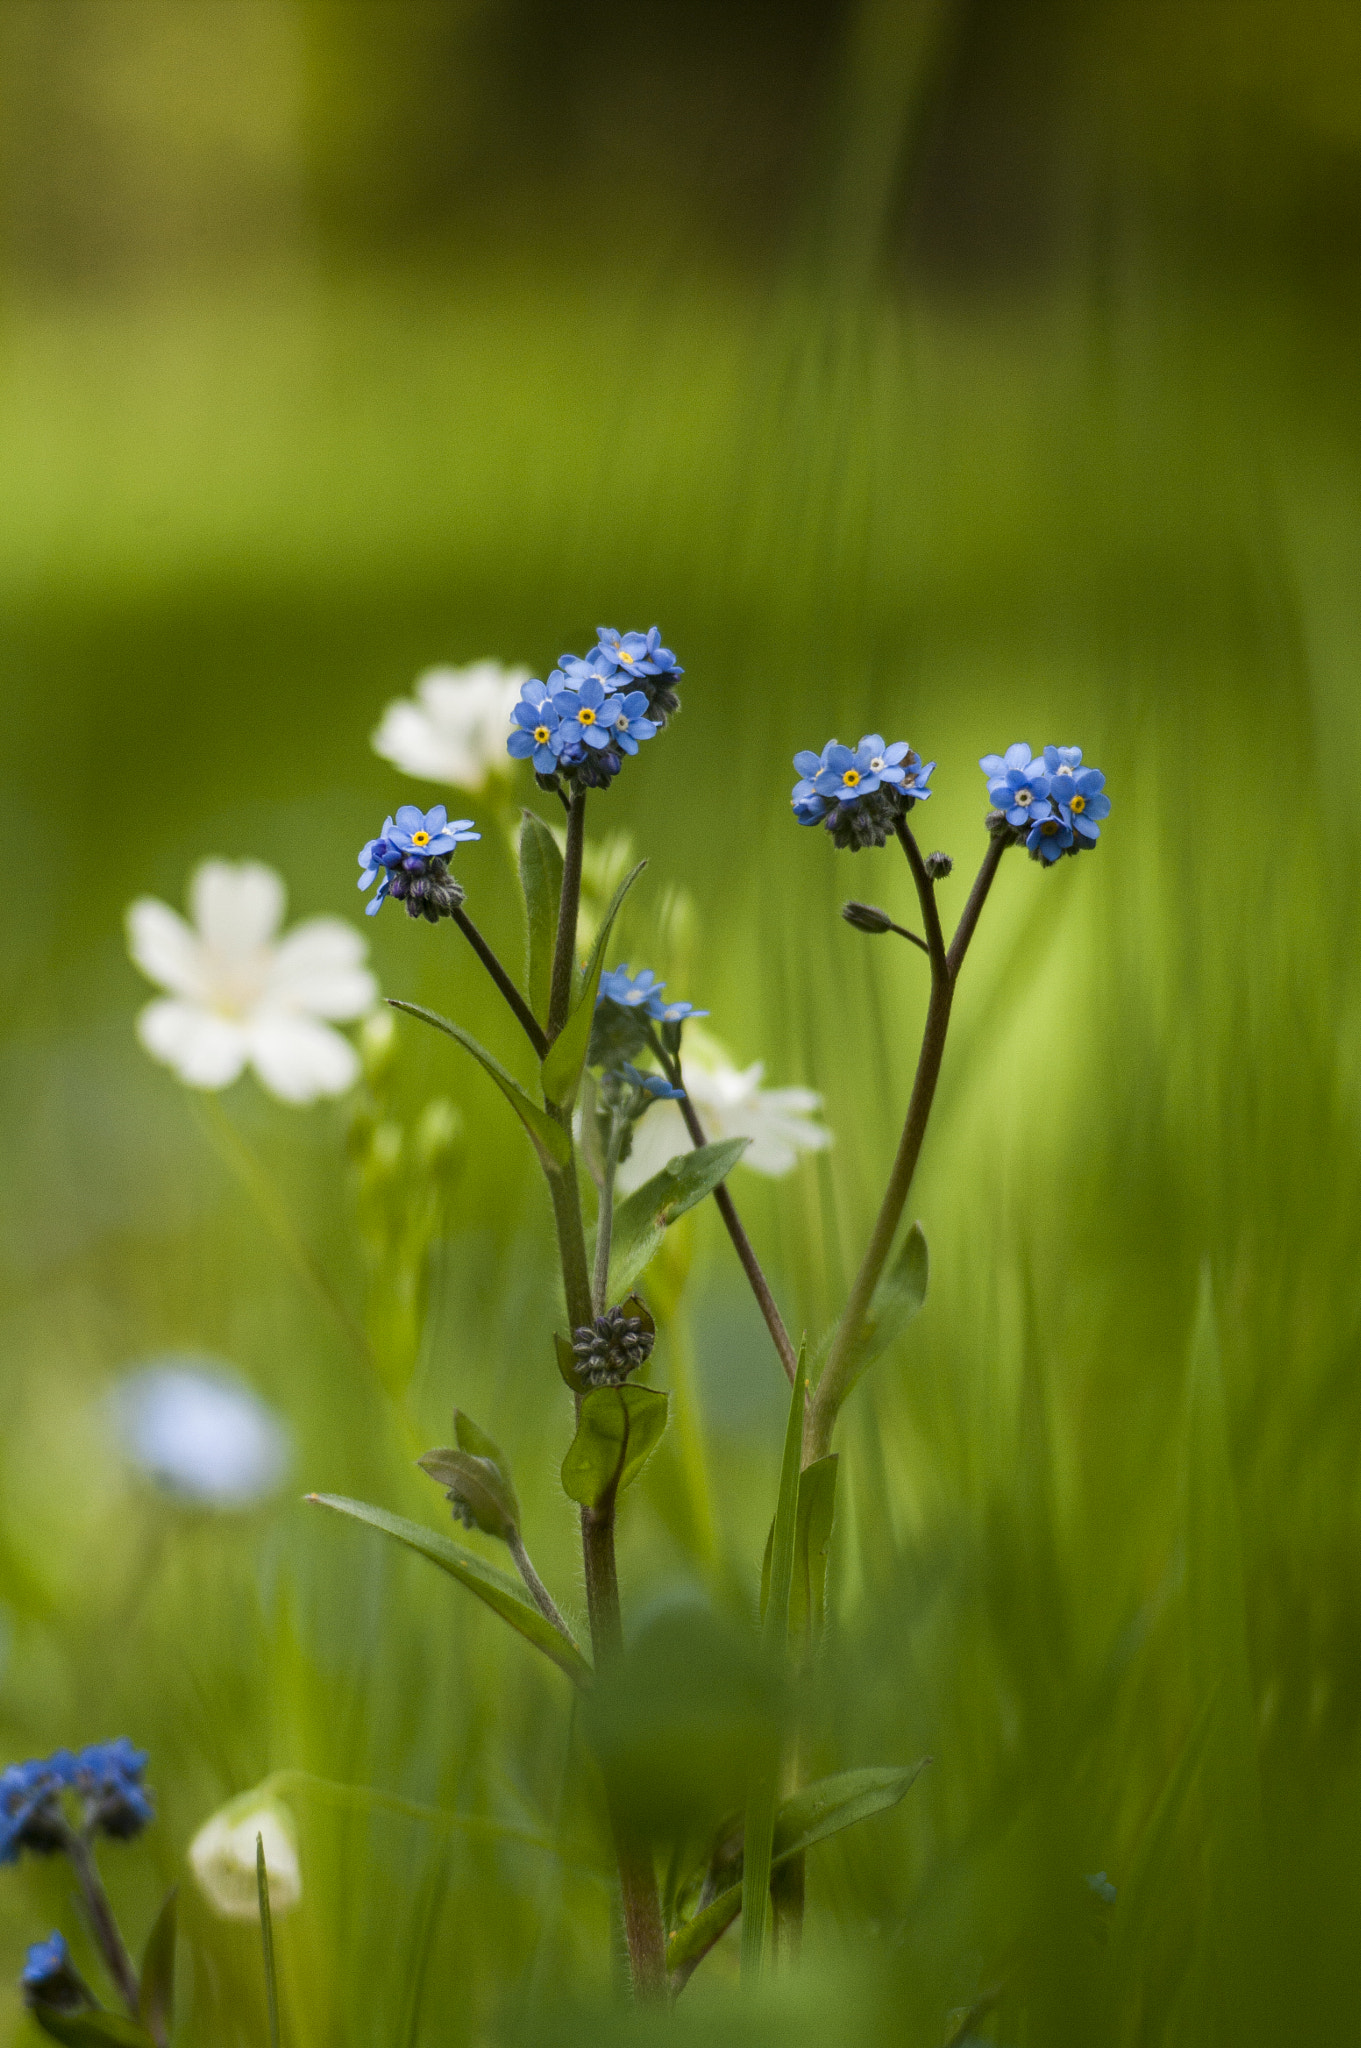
point(97, 2029)
point(541, 881)
point(758, 1840)
point(495, 1588)
point(817, 1502)
point(479, 1486)
point(619, 1429)
point(156, 1991)
point(550, 1140)
point(641, 1221)
point(896, 1302)
point(470, 1438)
point(566, 1057)
point(810, 1816)
point(267, 1940)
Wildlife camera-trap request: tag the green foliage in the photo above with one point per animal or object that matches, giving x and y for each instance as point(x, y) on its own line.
point(562, 1068)
point(619, 1429)
point(643, 1218)
point(549, 1139)
point(92, 2029)
point(896, 1302)
point(541, 883)
point(267, 1941)
point(477, 1484)
point(156, 1984)
point(812, 1539)
point(496, 1589)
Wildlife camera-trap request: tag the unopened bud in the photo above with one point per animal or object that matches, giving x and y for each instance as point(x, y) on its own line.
point(378, 1045)
point(937, 865)
point(866, 918)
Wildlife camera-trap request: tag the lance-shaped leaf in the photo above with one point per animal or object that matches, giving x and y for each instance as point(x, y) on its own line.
point(620, 1427)
point(156, 1986)
point(567, 1054)
point(817, 1504)
point(541, 881)
point(821, 1809)
point(477, 1487)
point(642, 1220)
point(469, 1437)
point(97, 2029)
point(495, 1588)
point(896, 1302)
point(267, 1941)
point(758, 1840)
point(550, 1140)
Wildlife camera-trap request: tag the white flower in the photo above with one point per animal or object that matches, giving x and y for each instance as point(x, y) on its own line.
point(456, 729)
point(731, 1103)
point(239, 995)
point(201, 1433)
point(222, 1857)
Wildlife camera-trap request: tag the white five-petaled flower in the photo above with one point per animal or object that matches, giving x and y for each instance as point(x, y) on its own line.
point(198, 1431)
point(222, 1856)
point(455, 730)
point(731, 1103)
point(239, 995)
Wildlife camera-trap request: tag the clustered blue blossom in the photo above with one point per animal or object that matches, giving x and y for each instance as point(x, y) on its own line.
point(859, 793)
point(106, 1778)
point(643, 992)
point(409, 861)
point(1049, 802)
point(594, 709)
point(50, 1978)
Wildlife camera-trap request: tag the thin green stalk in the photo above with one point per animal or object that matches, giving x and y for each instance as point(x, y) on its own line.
point(108, 1936)
point(945, 965)
point(524, 1015)
point(565, 946)
point(539, 1593)
point(267, 1941)
point(604, 1229)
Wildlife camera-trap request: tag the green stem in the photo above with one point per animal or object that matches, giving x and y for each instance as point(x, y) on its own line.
point(523, 1013)
point(604, 1229)
point(103, 1926)
point(539, 1593)
point(565, 945)
point(833, 1385)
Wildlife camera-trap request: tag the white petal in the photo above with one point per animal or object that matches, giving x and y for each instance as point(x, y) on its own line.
point(222, 1857)
point(660, 1136)
point(456, 731)
point(164, 947)
point(298, 1059)
point(205, 1050)
point(319, 967)
point(237, 905)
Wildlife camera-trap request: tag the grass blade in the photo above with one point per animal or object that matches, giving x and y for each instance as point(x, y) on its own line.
point(267, 1941)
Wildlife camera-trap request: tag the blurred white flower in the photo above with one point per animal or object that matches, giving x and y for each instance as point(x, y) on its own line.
point(241, 995)
point(222, 1857)
point(731, 1103)
point(200, 1432)
point(456, 729)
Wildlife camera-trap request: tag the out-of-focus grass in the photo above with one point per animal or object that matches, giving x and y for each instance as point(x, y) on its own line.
point(1103, 1570)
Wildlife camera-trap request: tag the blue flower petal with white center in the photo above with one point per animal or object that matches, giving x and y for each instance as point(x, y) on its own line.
point(630, 991)
point(675, 1013)
point(630, 722)
point(533, 729)
point(1019, 792)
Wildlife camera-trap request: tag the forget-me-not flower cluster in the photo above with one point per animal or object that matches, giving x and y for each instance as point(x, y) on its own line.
point(1049, 802)
point(409, 861)
point(859, 793)
point(106, 1778)
point(594, 709)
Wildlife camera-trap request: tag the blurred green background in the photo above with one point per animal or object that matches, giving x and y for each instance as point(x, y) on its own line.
point(968, 369)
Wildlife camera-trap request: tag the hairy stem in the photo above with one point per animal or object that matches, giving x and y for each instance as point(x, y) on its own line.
point(604, 1229)
point(742, 1244)
point(945, 965)
point(103, 1926)
point(539, 1593)
point(564, 950)
point(524, 1014)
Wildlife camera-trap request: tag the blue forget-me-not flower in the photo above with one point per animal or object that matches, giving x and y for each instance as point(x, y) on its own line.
point(859, 793)
point(50, 1979)
point(1049, 802)
point(408, 860)
point(535, 725)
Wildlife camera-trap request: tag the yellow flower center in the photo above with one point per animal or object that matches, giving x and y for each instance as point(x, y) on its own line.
point(420, 839)
point(1078, 803)
point(851, 777)
point(1049, 826)
point(586, 716)
point(541, 735)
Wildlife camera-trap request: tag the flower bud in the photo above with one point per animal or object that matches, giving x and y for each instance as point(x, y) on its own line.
point(866, 918)
point(478, 1491)
point(222, 1857)
point(937, 865)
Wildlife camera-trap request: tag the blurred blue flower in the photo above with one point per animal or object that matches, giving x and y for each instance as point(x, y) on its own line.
point(201, 1433)
point(534, 729)
point(590, 709)
point(641, 991)
point(638, 654)
point(1085, 803)
point(51, 1980)
point(1049, 836)
point(30, 1805)
point(655, 1085)
point(108, 1777)
point(674, 1013)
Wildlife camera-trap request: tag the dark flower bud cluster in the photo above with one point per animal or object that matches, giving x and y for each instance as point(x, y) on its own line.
point(595, 709)
point(50, 1979)
point(613, 1347)
point(858, 794)
point(866, 917)
point(1050, 803)
point(410, 862)
point(106, 1778)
